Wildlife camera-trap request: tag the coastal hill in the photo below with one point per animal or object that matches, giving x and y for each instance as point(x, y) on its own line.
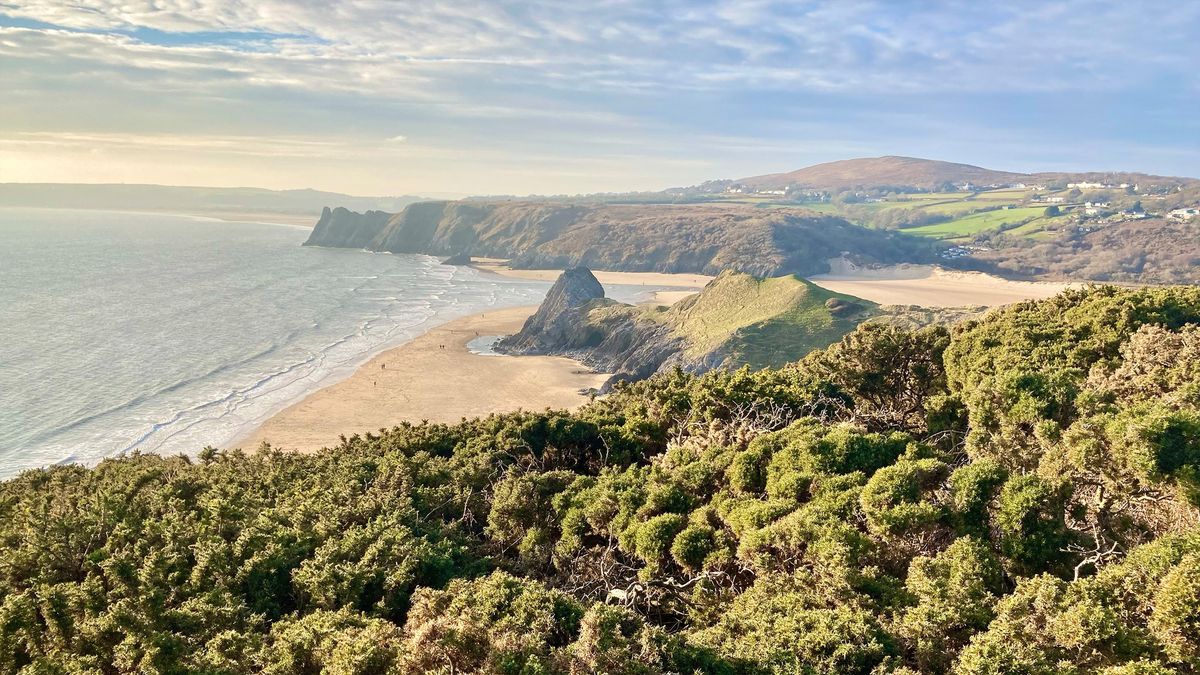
point(890, 170)
point(736, 320)
point(1086, 226)
point(926, 174)
point(638, 238)
point(1064, 226)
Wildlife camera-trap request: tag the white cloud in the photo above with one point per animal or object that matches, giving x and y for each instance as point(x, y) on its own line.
point(845, 45)
point(568, 87)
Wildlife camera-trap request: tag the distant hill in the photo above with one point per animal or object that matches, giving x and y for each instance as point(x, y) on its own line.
point(876, 171)
point(135, 197)
point(927, 174)
point(638, 238)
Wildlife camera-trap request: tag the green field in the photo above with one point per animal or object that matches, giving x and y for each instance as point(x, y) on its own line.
point(966, 208)
point(954, 208)
point(822, 207)
point(1010, 195)
point(976, 223)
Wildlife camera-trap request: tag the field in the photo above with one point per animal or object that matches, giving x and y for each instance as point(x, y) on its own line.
point(976, 223)
point(972, 213)
point(966, 208)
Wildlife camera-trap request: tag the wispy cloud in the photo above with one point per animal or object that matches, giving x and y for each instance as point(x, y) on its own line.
point(531, 78)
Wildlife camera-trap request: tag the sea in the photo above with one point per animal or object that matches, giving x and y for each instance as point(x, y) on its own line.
point(124, 332)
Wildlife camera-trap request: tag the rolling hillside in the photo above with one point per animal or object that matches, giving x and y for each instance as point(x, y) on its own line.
point(930, 174)
point(876, 171)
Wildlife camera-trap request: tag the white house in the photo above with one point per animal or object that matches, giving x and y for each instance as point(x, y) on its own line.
point(1185, 214)
point(1056, 200)
point(1086, 186)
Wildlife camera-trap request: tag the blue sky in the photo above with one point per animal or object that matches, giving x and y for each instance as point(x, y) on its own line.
point(396, 97)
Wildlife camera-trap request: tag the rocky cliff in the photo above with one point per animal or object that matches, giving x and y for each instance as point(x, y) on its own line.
point(342, 228)
point(648, 238)
point(577, 320)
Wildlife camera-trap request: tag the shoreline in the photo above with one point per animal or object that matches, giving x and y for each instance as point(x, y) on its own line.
point(422, 380)
point(433, 377)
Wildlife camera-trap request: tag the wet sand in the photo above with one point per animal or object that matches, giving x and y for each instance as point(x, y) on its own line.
point(433, 377)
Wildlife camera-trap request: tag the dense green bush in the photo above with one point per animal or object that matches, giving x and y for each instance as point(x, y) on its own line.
point(1018, 495)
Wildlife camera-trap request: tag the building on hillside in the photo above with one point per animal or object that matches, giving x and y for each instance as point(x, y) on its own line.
point(1056, 200)
point(1185, 213)
point(1085, 185)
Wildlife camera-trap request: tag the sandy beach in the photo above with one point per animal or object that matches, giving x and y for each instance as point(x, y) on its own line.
point(434, 377)
point(676, 282)
point(931, 286)
point(924, 285)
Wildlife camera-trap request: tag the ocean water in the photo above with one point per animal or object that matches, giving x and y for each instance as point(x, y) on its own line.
point(122, 331)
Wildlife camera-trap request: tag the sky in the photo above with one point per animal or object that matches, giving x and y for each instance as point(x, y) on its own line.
point(390, 97)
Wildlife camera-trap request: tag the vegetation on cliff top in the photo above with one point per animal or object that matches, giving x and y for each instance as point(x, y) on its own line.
point(1016, 495)
point(647, 238)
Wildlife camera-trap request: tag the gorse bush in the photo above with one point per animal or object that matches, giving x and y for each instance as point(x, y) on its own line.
point(1020, 494)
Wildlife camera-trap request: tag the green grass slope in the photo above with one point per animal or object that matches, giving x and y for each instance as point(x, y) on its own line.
point(763, 322)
